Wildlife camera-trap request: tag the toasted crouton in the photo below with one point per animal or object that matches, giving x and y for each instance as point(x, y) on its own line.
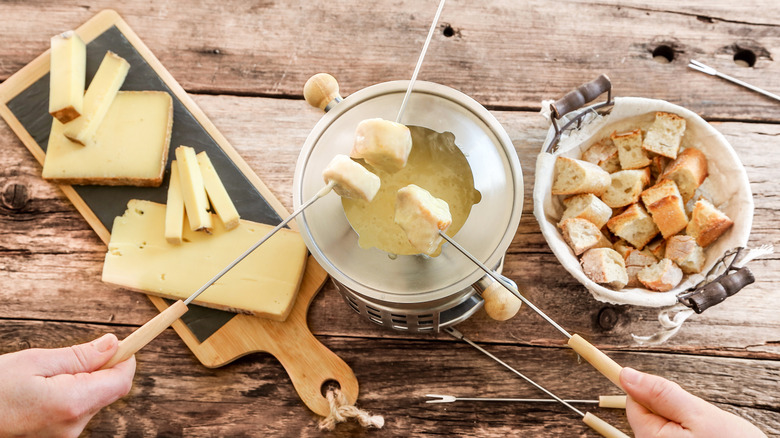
point(662, 276)
point(688, 171)
point(626, 187)
point(684, 251)
point(634, 225)
point(605, 266)
point(630, 152)
point(576, 176)
point(587, 206)
point(664, 136)
point(582, 235)
point(707, 223)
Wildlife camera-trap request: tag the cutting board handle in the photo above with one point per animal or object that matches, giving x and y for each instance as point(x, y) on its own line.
point(310, 364)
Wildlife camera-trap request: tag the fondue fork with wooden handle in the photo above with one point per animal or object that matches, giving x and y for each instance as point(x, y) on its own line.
point(606, 366)
point(144, 334)
point(594, 422)
point(604, 401)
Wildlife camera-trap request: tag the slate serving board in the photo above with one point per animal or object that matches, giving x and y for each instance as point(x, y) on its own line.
point(215, 337)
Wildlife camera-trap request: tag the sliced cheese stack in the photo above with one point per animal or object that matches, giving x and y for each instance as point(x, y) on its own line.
point(67, 76)
point(194, 182)
point(129, 148)
point(264, 284)
point(101, 92)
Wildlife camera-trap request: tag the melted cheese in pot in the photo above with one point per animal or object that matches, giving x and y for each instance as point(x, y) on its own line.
point(435, 164)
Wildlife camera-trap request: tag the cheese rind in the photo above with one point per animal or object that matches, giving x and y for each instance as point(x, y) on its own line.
point(217, 194)
point(174, 208)
point(193, 190)
point(99, 96)
point(265, 283)
point(129, 148)
point(67, 75)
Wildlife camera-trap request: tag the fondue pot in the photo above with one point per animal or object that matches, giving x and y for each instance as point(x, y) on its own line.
point(409, 292)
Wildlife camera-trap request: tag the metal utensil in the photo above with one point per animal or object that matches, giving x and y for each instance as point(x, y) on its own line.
point(698, 66)
point(419, 63)
point(604, 401)
point(606, 366)
point(595, 423)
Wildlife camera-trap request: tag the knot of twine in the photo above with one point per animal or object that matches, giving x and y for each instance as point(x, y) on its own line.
point(341, 411)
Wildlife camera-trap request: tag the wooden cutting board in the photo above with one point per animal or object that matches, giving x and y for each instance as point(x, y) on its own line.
point(215, 337)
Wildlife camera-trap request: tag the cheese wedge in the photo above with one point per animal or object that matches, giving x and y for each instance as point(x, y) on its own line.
point(98, 98)
point(193, 190)
point(67, 75)
point(218, 195)
point(130, 147)
point(174, 209)
point(264, 284)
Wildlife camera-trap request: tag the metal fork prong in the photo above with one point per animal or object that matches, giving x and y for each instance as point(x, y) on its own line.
point(696, 65)
point(440, 398)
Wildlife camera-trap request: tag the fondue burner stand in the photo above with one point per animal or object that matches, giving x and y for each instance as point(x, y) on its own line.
point(411, 293)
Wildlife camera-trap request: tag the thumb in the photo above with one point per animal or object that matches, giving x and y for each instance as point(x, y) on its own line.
point(662, 397)
point(82, 358)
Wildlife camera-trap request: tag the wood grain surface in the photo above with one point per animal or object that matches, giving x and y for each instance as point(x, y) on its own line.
point(245, 63)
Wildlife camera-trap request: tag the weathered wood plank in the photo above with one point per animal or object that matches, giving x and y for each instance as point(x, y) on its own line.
point(503, 53)
point(51, 261)
point(174, 395)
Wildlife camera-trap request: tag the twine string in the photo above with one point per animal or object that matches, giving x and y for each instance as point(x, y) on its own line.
point(341, 411)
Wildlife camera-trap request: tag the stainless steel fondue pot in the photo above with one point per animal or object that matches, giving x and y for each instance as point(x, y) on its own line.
point(412, 293)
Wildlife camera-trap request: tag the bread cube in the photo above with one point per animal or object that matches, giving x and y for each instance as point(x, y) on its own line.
point(574, 177)
point(662, 276)
point(665, 135)
point(707, 223)
point(587, 206)
point(688, 171)
point(626, 187)
point(665, 204)
point(603, 153)
point(634, 225)
point(630, 152)
point(622, 247)
point(658, 165)
point(421, 216)
point(352, 179)
point(684, 251)
point(636, 260)
point(383, 144)
point(657, 247)
point(605, 266)
point(582, 235)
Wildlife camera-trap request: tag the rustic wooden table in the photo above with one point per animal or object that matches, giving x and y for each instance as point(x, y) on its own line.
point(245, 64)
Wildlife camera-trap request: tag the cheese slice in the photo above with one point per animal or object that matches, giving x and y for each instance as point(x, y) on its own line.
point(98, 98)
point(193, 190)
point(220, 200)
point(67, 75)
point(263, 284)
point(129, 148)
point(174, 209)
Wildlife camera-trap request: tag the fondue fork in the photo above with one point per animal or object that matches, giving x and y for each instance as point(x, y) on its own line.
point(147, 332)
point(606, 366)
point(604, 401)
point(419, 63)
point(698, 66)
point(595, 423)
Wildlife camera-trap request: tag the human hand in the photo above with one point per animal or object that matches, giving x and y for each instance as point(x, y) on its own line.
point(659, 408)
point(55, 392)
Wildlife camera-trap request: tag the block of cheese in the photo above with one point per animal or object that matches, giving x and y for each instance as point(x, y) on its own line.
point(67, 75)
point(174, 208)
point(196, 203)
point(98, 98)
point(129, 148)
point(217, 194)
point(263, 284)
